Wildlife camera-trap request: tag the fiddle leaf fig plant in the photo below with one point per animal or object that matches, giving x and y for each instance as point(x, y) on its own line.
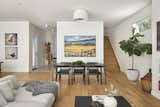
point(133, 46)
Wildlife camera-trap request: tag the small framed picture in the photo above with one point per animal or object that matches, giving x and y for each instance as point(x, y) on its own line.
point(11, 52)
point(158, 35)
point(141, 25)
point(11, 39)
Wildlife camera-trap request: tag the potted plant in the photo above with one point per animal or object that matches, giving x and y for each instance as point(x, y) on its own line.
point(133, 47)
point(78, 62)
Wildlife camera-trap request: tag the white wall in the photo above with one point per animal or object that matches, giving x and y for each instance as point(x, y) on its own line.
point(122, 31)
point(155, 54)
point(80, 28)
point(22, 28)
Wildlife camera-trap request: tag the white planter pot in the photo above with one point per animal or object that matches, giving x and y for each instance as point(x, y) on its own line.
point(132, 74)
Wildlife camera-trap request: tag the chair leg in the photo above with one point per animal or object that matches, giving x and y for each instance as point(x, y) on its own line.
point(105, 81)
point(68, 79)
point(88, 79)
point(56, 76)
point(101, 78)
point(98, 78)
point(60, 77)
point(74, 78)
point(71, 79)
point(84, 78)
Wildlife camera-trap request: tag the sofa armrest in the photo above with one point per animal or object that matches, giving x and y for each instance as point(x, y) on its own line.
point(56, 93)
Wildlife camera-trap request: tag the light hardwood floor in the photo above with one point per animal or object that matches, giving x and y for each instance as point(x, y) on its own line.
point(130, 90)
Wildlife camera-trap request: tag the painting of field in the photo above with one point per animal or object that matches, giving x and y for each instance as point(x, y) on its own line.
point(80, 46)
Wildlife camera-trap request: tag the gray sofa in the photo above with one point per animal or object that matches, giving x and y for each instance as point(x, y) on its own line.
point(20, 97)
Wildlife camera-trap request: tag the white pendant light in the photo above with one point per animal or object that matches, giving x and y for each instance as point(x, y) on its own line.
point(80, 15)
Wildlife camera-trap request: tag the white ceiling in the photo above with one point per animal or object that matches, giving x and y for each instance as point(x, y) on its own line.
point(40, 12)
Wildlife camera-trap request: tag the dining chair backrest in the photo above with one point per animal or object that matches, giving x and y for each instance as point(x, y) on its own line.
point(66, 63)
point(92, 63)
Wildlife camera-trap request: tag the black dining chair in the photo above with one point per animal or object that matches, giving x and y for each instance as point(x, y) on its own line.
point(79, 69)
point(93, 70)
point(64, 71)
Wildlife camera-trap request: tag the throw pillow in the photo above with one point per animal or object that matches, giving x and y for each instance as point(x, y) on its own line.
point(12, 81)
point(14, 92)
point(12, 78)
point(2, 101)
point(11, 85)
point(6, 91)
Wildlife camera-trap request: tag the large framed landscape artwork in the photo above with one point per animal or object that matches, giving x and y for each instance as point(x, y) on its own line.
point(80, 45)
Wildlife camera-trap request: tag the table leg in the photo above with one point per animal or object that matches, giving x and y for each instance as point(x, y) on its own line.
point(84, 76)
point(60, 76)
point(0, 67)
point(88, 79)
point(56, 73)
point(98, 77)
point(68, 78)
point(84, 80)
point(101, 74)
point(105, 75)
point(71, 74)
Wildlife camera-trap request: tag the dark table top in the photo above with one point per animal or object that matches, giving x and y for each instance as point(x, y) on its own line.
point(95, 65)
point(81, 65)
point(86, 101)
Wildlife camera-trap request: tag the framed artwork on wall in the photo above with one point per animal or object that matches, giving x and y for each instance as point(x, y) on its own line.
point(11, 52)
point(11, 39)
point(141, 25)
point(80, 45)
point(158, 36)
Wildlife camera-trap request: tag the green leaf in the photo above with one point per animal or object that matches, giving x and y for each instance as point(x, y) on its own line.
point(148, 48)
point(132, 46)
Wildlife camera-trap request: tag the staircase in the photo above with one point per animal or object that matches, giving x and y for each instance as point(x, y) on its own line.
point(109, 57)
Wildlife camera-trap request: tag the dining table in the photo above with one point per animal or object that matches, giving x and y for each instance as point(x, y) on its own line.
point(84, 65)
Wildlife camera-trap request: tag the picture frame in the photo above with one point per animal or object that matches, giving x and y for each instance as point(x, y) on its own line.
point(11, 53)
point(11, 39)
point(141, 25)
point(80, 45)
point(158, 35)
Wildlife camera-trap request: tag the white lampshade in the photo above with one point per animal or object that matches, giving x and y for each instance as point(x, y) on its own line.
point(80, 15)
